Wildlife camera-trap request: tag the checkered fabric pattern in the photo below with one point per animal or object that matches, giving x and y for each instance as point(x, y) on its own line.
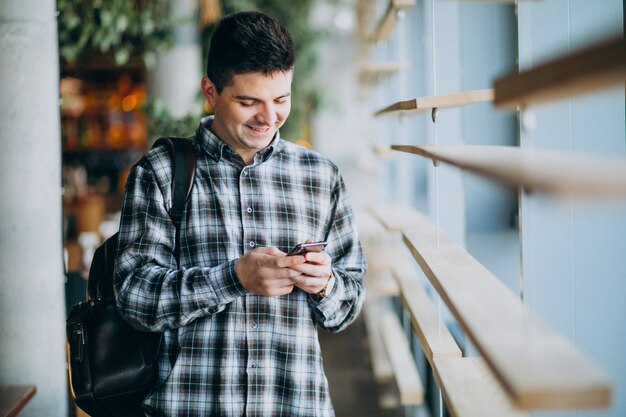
point(228, 352)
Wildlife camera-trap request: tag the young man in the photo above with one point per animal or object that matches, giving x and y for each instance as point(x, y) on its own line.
point(239, 315)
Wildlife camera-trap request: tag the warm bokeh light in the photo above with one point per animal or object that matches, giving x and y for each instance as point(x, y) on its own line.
point(129, 103)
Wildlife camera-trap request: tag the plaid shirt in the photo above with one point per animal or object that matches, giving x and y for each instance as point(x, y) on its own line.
point(228, 352)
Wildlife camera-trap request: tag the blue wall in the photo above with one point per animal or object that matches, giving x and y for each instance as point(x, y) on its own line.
point(488, 50)
point(574, 252)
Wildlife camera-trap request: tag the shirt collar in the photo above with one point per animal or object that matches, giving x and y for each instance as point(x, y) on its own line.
point(216, 148)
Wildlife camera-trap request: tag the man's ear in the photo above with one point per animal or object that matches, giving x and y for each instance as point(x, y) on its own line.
point(209, 90)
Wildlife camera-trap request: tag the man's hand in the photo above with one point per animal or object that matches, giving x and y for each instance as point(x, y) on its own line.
point(315, 272)
point(268, 271)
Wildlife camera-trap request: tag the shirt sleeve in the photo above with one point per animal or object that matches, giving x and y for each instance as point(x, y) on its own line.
point(152, 293)
point(343, 303)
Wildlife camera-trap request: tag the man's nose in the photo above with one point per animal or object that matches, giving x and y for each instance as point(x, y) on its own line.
point(267, 115)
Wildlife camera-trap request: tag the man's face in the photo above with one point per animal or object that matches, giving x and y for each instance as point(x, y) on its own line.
point(249, 110)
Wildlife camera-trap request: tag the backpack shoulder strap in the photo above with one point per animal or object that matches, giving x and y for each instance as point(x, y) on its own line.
point(183, 175)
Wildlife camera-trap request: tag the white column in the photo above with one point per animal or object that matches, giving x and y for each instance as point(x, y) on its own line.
point(175, 79)
point(32, 310)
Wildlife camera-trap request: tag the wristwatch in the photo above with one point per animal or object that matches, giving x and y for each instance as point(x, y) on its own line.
point(329, 286)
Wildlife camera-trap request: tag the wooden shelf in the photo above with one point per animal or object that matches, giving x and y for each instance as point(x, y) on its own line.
point(13, 398)
point(382, 283)
point(404, 368)
point(381, 367)
point(589, 69)
point(559, 174)
point(397, 218)
point(383, 151)
point(537, 367)
point(365, 12)
point(388, 23)
point(434, 337)
point(422, 104)
point(470, 389)
point(373, 73)
point(378, 280)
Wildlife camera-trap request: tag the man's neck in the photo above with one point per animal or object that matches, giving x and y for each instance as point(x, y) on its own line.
point(246, 155)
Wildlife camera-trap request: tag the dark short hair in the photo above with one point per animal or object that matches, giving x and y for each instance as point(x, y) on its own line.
point(247, 42)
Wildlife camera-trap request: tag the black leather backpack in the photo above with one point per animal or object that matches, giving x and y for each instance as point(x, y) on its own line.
point(112, 366)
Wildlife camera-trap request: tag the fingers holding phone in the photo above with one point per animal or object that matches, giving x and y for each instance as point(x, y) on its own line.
point(268, 271)
point(314, 255)
point(316, 271)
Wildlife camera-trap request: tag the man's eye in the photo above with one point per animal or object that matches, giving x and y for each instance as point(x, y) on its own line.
point(245, 104)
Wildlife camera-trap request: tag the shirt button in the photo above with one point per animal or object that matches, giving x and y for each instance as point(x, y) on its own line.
point(252, 244)
point(254, 325)
point(249, 209)
point(253, 365)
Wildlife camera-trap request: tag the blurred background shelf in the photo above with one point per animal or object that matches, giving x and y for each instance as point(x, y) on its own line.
point(591, 68)
point(422, 104)
point(555, 173)
point(396, 10)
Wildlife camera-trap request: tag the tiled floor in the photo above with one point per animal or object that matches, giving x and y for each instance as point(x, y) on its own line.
point(353, 390)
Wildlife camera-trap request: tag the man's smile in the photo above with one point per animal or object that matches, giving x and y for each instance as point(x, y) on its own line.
point(259, 130)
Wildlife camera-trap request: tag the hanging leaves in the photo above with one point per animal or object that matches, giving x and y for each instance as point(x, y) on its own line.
point(118, 28)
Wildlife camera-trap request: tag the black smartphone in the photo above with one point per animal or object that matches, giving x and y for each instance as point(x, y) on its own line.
point(302, 248)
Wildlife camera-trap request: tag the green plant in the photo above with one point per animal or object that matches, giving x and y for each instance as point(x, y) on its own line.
point(118, 28)
point(162, 123)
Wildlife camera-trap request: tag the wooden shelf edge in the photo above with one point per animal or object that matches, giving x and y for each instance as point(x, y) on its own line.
point(422, 104)
point(591, 68)
point(382, 67)
point(382, 284)
point(372, 73)
point(554, 173)
point(402, 362)
point(470, 389)
point(364, 13)
point(13, 398)
point(434, 336)
point(538, 368)
point(381, 366)
point(397, 218)
point(387, 24)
